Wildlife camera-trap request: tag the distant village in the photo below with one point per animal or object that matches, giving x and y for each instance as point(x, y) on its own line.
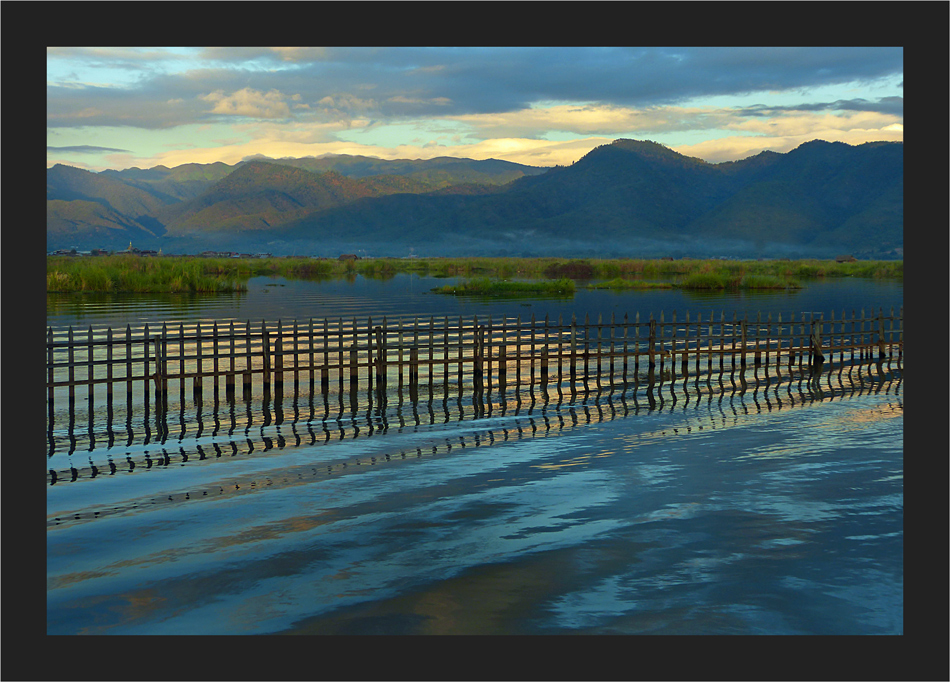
point(204, 254)
point(846, 258)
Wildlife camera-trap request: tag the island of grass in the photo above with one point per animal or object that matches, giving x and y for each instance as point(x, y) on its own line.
point(619, 284)
point(485, 286)
point(725, 280)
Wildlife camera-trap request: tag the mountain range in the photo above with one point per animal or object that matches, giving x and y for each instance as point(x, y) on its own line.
point(627, 198)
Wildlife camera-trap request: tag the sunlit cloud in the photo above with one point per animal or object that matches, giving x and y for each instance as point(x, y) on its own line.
point(250, 103)
point(731, 148)
point(535, 105)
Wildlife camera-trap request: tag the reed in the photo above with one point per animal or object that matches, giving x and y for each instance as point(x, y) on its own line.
point(485, 286)
point(618, 284)
point(126, 272)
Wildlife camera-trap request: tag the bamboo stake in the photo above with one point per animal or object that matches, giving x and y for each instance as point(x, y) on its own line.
point(90, 370)
point(199, 365)
point(128, 363)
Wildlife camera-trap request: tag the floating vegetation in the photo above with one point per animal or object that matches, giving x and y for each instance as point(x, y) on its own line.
point(618, 284)
point(485, 286)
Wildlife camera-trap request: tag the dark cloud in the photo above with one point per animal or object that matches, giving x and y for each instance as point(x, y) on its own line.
point(415, 81)
point(84, 149)
point(884, 105)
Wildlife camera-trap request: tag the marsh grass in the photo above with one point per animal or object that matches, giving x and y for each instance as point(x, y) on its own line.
point(485, 286)
point(618, 284)
point(121, 272)
point(142, 275)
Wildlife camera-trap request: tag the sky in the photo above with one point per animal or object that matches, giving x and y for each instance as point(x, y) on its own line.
point(123, 107)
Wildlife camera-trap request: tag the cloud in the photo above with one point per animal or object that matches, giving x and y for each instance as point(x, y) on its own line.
point(414, 81)
point(893, 105)
point(731, 148)
point(277, 97)
point(83, 149)
point(249, 103)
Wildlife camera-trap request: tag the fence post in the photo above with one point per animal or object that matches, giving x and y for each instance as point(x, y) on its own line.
point(70, 360)
point(279, 357)
point(215, 353)
point(651, 343)
point(198, 361)
point(157, 376)
point(400, 361)
point(900, 338)
point(573, 352)
point(380, 358)
point(880, 334)
point(145, 363)
point(477, 359)
point(109, 365)
point(672, 347)
point(544, 367)
point(265, 353)
point(815, 341)
point(445, 357)
point(164, 360)
point(128, 364)
point(296, 347)
point(90, 369)
point(49, 369)
point(757, 357)
point(742, 341)
point(531, 351)
point(600, 348)
point(229, 379)
point(684, 365)
point(636, 345)
point(325, 370)
point(626, 324)
point(354, 371)
point(586, 349)
point(518, 353)
point(431, 364)
point(248, 361)
point(414, 367)
point(370, 358)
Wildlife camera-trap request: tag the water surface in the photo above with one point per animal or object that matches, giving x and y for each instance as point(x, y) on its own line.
point(694, 509)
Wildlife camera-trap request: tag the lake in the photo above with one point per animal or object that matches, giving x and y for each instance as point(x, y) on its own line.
point(698, 510)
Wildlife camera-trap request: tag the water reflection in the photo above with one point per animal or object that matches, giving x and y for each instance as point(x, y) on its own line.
point(409, 295)
point(211, 429)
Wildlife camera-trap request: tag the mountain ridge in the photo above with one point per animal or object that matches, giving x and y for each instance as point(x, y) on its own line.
point(627, 197)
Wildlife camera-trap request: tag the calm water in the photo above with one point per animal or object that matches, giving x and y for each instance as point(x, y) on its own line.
point(408, 296)
point(778, 510)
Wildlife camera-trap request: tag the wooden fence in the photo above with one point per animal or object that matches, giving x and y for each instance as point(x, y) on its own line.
point(455, 353)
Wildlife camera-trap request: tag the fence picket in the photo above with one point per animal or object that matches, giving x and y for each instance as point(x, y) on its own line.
point(533, 344)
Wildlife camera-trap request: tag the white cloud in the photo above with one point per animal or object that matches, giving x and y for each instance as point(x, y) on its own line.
point(250, 103)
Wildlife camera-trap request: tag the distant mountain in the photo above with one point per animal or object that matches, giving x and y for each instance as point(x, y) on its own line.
point(640, 198)
point(173, 184)
point(193, 203)
point(261, 195)
point(626, 198)
point(437, 173)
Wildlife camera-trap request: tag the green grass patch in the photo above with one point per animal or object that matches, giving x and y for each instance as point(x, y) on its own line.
point(768, 282)
point(485, 286)
point(108, 274)
point(618, 284)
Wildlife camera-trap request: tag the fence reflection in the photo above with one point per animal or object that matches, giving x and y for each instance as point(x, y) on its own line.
point(222, 425)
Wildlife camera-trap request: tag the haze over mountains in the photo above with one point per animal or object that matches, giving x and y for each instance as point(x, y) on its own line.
point(628, 198)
